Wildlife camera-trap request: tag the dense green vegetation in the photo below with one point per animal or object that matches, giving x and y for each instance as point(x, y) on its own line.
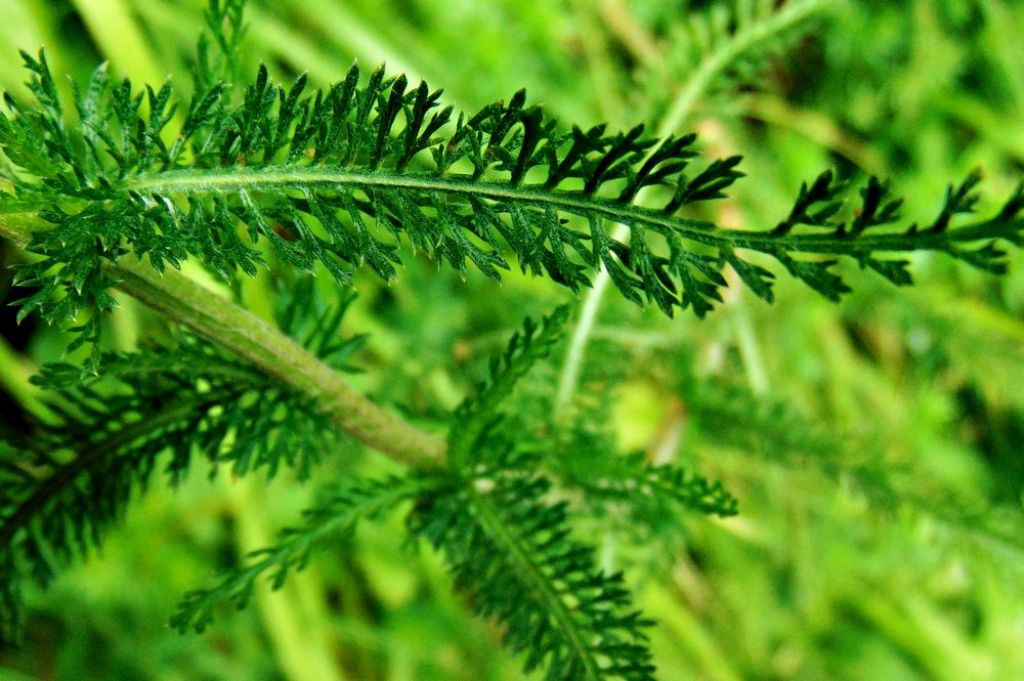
point(733, 443)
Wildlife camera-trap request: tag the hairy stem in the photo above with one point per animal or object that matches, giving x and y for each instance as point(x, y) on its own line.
point(278, 178)
point(183, 301)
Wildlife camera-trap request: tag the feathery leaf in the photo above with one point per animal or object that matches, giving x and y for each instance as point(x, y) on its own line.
point(333, 518)
point(343, 177)
point(511, 554)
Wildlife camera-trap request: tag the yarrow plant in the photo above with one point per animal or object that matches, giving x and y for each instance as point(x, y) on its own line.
point(121, 191)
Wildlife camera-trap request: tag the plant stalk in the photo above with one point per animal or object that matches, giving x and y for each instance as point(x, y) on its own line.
point(222, 322)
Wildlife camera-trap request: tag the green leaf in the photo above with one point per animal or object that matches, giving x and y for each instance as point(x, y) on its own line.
point(511, 555)
point(332, 519)
point(477, 413)
point(345, 176)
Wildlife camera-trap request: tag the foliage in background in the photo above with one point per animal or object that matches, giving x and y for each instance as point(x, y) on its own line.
point(880, 496)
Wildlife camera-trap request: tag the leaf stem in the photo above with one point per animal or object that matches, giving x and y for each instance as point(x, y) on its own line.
point(569, 378)
point(219, 320)
point(69, 472)
point(278, 178)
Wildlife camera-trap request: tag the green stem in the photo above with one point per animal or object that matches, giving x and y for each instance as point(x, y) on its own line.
point(725, 55)
point(256, 341)
point(182, 300)
point(611, 109)
point(279, 178)
point(569, 378)
point(750, 349)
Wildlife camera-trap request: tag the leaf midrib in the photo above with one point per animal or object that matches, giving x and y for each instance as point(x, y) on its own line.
point(280, 178)
point(490, 518)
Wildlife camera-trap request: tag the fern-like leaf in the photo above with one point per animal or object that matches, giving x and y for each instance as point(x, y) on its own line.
point(331, 519)
point(648, 498)
point(478, 413)
point(731, 416)
point(62, 488)
point(729, 46)
point(651, 493)
point(345, 176)
point(511, 554)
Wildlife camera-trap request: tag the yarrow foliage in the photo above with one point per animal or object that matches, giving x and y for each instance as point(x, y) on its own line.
point(345, 176)
point(61, 487)
point(513, 555)
point(351, 176)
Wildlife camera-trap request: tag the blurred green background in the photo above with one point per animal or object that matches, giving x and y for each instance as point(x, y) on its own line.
point(877, 446)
